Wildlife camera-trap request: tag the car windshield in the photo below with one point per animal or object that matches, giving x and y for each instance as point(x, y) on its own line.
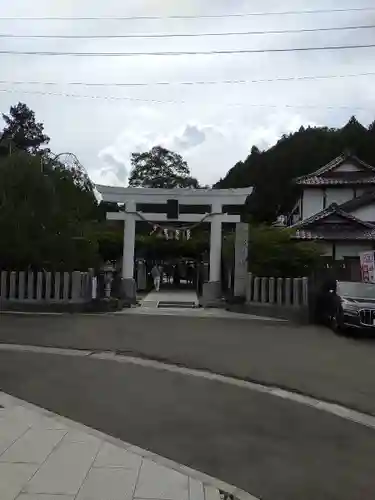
point(358, 290)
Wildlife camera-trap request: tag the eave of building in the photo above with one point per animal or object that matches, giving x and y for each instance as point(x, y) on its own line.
point(311, 235)
point(361, 230)
point(332, 209)
point(326, 181)
point(315, 177)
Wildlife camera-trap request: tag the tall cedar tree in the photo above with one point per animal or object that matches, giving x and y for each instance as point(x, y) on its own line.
point(22, 130)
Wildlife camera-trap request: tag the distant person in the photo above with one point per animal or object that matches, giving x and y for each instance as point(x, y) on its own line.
point(176, 276)
point(190, 274)
point(156, 275)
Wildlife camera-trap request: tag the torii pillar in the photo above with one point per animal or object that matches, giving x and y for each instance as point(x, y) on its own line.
point(212, 289)
point(128, 283)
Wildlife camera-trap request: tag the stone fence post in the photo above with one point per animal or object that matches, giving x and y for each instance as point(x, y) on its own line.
point(240, 259)
point(76, 286)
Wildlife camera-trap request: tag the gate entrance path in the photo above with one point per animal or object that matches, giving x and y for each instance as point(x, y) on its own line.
point(170, 299)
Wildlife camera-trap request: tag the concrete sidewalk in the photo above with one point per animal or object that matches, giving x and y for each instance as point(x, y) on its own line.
point(47, 457)
point(272, 447)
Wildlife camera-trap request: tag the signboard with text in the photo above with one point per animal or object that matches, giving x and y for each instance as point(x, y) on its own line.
point(368, 267)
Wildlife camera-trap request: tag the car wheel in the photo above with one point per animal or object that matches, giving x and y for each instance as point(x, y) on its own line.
point(336, 323)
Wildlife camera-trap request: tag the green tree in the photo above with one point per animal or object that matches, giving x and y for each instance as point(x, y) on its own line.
point(160, 168)
point(23, 130)
point(46, 219)
point(110, 242)
point(69, 169)
point(273, 253)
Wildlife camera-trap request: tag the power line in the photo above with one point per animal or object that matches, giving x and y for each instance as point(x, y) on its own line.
point(94, 97)
point(186, 53)
point(154, 101)
point(191, 35)
point(206, 16)
point(192, 83)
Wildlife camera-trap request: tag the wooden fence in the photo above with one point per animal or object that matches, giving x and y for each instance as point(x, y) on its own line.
point(285, 292)
point(45, 287)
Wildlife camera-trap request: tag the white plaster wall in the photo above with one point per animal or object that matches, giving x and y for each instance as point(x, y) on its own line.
point(326, 248)
point(347, 167)
point(339, 195)
point(361, 191)
point(351, 249)
point(366, 213)
point(312, 202)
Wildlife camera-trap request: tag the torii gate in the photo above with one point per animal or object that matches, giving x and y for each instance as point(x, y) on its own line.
point(211, 199)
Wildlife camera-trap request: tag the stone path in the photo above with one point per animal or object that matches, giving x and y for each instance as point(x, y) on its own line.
point(47, 457)
point(153, 310)
point(153, 299)
point(154, 304)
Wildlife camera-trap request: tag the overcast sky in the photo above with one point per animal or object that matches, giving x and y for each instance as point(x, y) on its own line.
point(212, 126)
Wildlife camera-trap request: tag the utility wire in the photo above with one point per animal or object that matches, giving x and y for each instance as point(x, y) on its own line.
point(94, 97)
point(192, 83)
point(191, 35)
point(125, 98)
point(206, 16)
point(185, 53)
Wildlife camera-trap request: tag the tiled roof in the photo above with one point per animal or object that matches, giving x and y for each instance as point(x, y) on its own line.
point(305, 229)
point(317, 178)
point(332, 209)
point(359, 202)
point(324, 181)
point(312, 234)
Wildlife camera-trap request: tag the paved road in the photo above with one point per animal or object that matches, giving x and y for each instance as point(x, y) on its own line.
point(275, 449)
point(308, 359)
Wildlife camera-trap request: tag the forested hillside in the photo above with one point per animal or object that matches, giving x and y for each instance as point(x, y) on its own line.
point(271, 172)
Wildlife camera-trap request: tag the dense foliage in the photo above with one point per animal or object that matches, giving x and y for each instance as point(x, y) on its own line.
point(160, 168)
point(48, 211)
point(273, 253)
point(271, 172)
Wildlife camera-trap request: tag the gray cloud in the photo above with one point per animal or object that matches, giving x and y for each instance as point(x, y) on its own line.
point(192, 136)
point(113, 164)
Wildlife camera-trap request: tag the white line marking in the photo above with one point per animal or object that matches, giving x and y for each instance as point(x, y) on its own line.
point(31, 313)
point(332, 408)
point(44, 350)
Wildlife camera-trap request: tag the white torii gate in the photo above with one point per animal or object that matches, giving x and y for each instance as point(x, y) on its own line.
point(215, 198)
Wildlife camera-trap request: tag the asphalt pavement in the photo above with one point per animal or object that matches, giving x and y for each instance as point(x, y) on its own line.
point(307, 359)
point(274, 449)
